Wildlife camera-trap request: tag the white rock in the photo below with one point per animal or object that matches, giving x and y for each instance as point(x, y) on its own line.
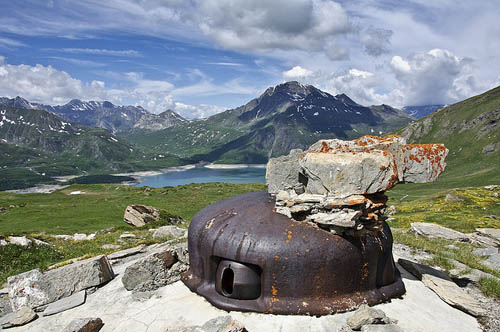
point(128, 236)
point(3, 243)
point(20, 241)
point(170, 231)
point(40, 242)
point(437, 231)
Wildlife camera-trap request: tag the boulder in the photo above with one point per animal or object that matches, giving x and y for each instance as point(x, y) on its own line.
point(139, 215)
point(452, 197)
point(344, 174)
point(444, 287)
point(20, 317)
point(282, 173)
point(436, 231)
point(35, 289)
point(156, 270)
point(84, 325)
point(170, 232)
point(65, 303)
point(366, 315)
point(20, 241)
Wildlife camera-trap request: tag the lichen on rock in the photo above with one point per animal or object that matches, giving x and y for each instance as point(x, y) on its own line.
point(339, 185)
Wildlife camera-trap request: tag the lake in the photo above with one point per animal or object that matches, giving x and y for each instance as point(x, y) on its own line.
point(201, 174)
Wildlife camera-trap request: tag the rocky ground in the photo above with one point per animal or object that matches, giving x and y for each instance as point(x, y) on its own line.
point(175, 308)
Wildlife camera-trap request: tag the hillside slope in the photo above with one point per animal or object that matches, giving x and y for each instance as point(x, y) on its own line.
point(284, 117)
point(471, 131)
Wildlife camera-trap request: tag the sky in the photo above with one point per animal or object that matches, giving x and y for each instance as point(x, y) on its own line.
point(201, 57)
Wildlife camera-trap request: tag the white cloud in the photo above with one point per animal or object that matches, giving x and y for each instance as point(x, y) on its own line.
point(97, 51)
point(376, 41)
point(435, 77)
point(297, 72)
point(47, 85)
point(7, 42)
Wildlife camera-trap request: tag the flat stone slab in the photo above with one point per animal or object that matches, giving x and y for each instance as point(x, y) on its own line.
point(66, 303)
point(126, 252)
point(444, 287)
point(175, 306)
point(35, 289)
point(492, 233)
point(21, 317)
point(493, 261)
point(481, 252)
point(437, 231)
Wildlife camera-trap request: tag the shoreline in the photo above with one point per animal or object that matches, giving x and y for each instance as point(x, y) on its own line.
point(138, 177)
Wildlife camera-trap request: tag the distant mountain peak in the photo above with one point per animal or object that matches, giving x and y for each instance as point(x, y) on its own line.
point(345, 99)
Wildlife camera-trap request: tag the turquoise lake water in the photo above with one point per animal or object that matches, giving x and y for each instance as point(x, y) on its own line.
point(201, 174)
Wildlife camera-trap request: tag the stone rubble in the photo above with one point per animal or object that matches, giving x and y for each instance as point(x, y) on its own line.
point(339, 185)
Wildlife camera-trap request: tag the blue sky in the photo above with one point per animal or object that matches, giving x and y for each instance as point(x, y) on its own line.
point(200, 57)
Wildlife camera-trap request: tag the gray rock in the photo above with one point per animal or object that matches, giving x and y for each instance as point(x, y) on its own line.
point(282, 173)
point(437, 231)
point(20, 241)
point(84, 325)
point(5, 307)
point(481, 252)
point(493, 261)
point(491, 187)
point(20, 317)
point(381, 328)
point(139, 215)
point(483, 239)
point(66, 303)
point(64, 237)
point(475, 275)
point(82, 237)
point(340, 218)
point(128, 236)
point(127, 252)
point(366, 315)
point(170, 232)
point(111, 246)
point(34, 288)
point(444, 287)
point(492, 233)
point(3, 243)
point(452, 197)
point(154, 271)
point(219, 324)
point(40, 243)
point(344, 174)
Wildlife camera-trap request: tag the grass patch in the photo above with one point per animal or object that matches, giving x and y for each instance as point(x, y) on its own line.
point(490, 287)
point(101, 206)
point(430, 206)
point(443, 255)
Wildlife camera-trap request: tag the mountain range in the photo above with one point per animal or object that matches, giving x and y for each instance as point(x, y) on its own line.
point(287, 116)
point(38, 141)
point(102, 114)
point(419, 112)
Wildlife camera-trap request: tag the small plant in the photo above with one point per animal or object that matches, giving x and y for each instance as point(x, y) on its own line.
point(490, 287)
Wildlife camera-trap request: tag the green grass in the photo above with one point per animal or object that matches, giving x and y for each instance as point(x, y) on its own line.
point(490, 287)
point(430, 206)
point(102, 206)
point(442, 254)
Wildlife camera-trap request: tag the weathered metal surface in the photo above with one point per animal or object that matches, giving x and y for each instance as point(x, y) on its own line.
point(303, 269)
